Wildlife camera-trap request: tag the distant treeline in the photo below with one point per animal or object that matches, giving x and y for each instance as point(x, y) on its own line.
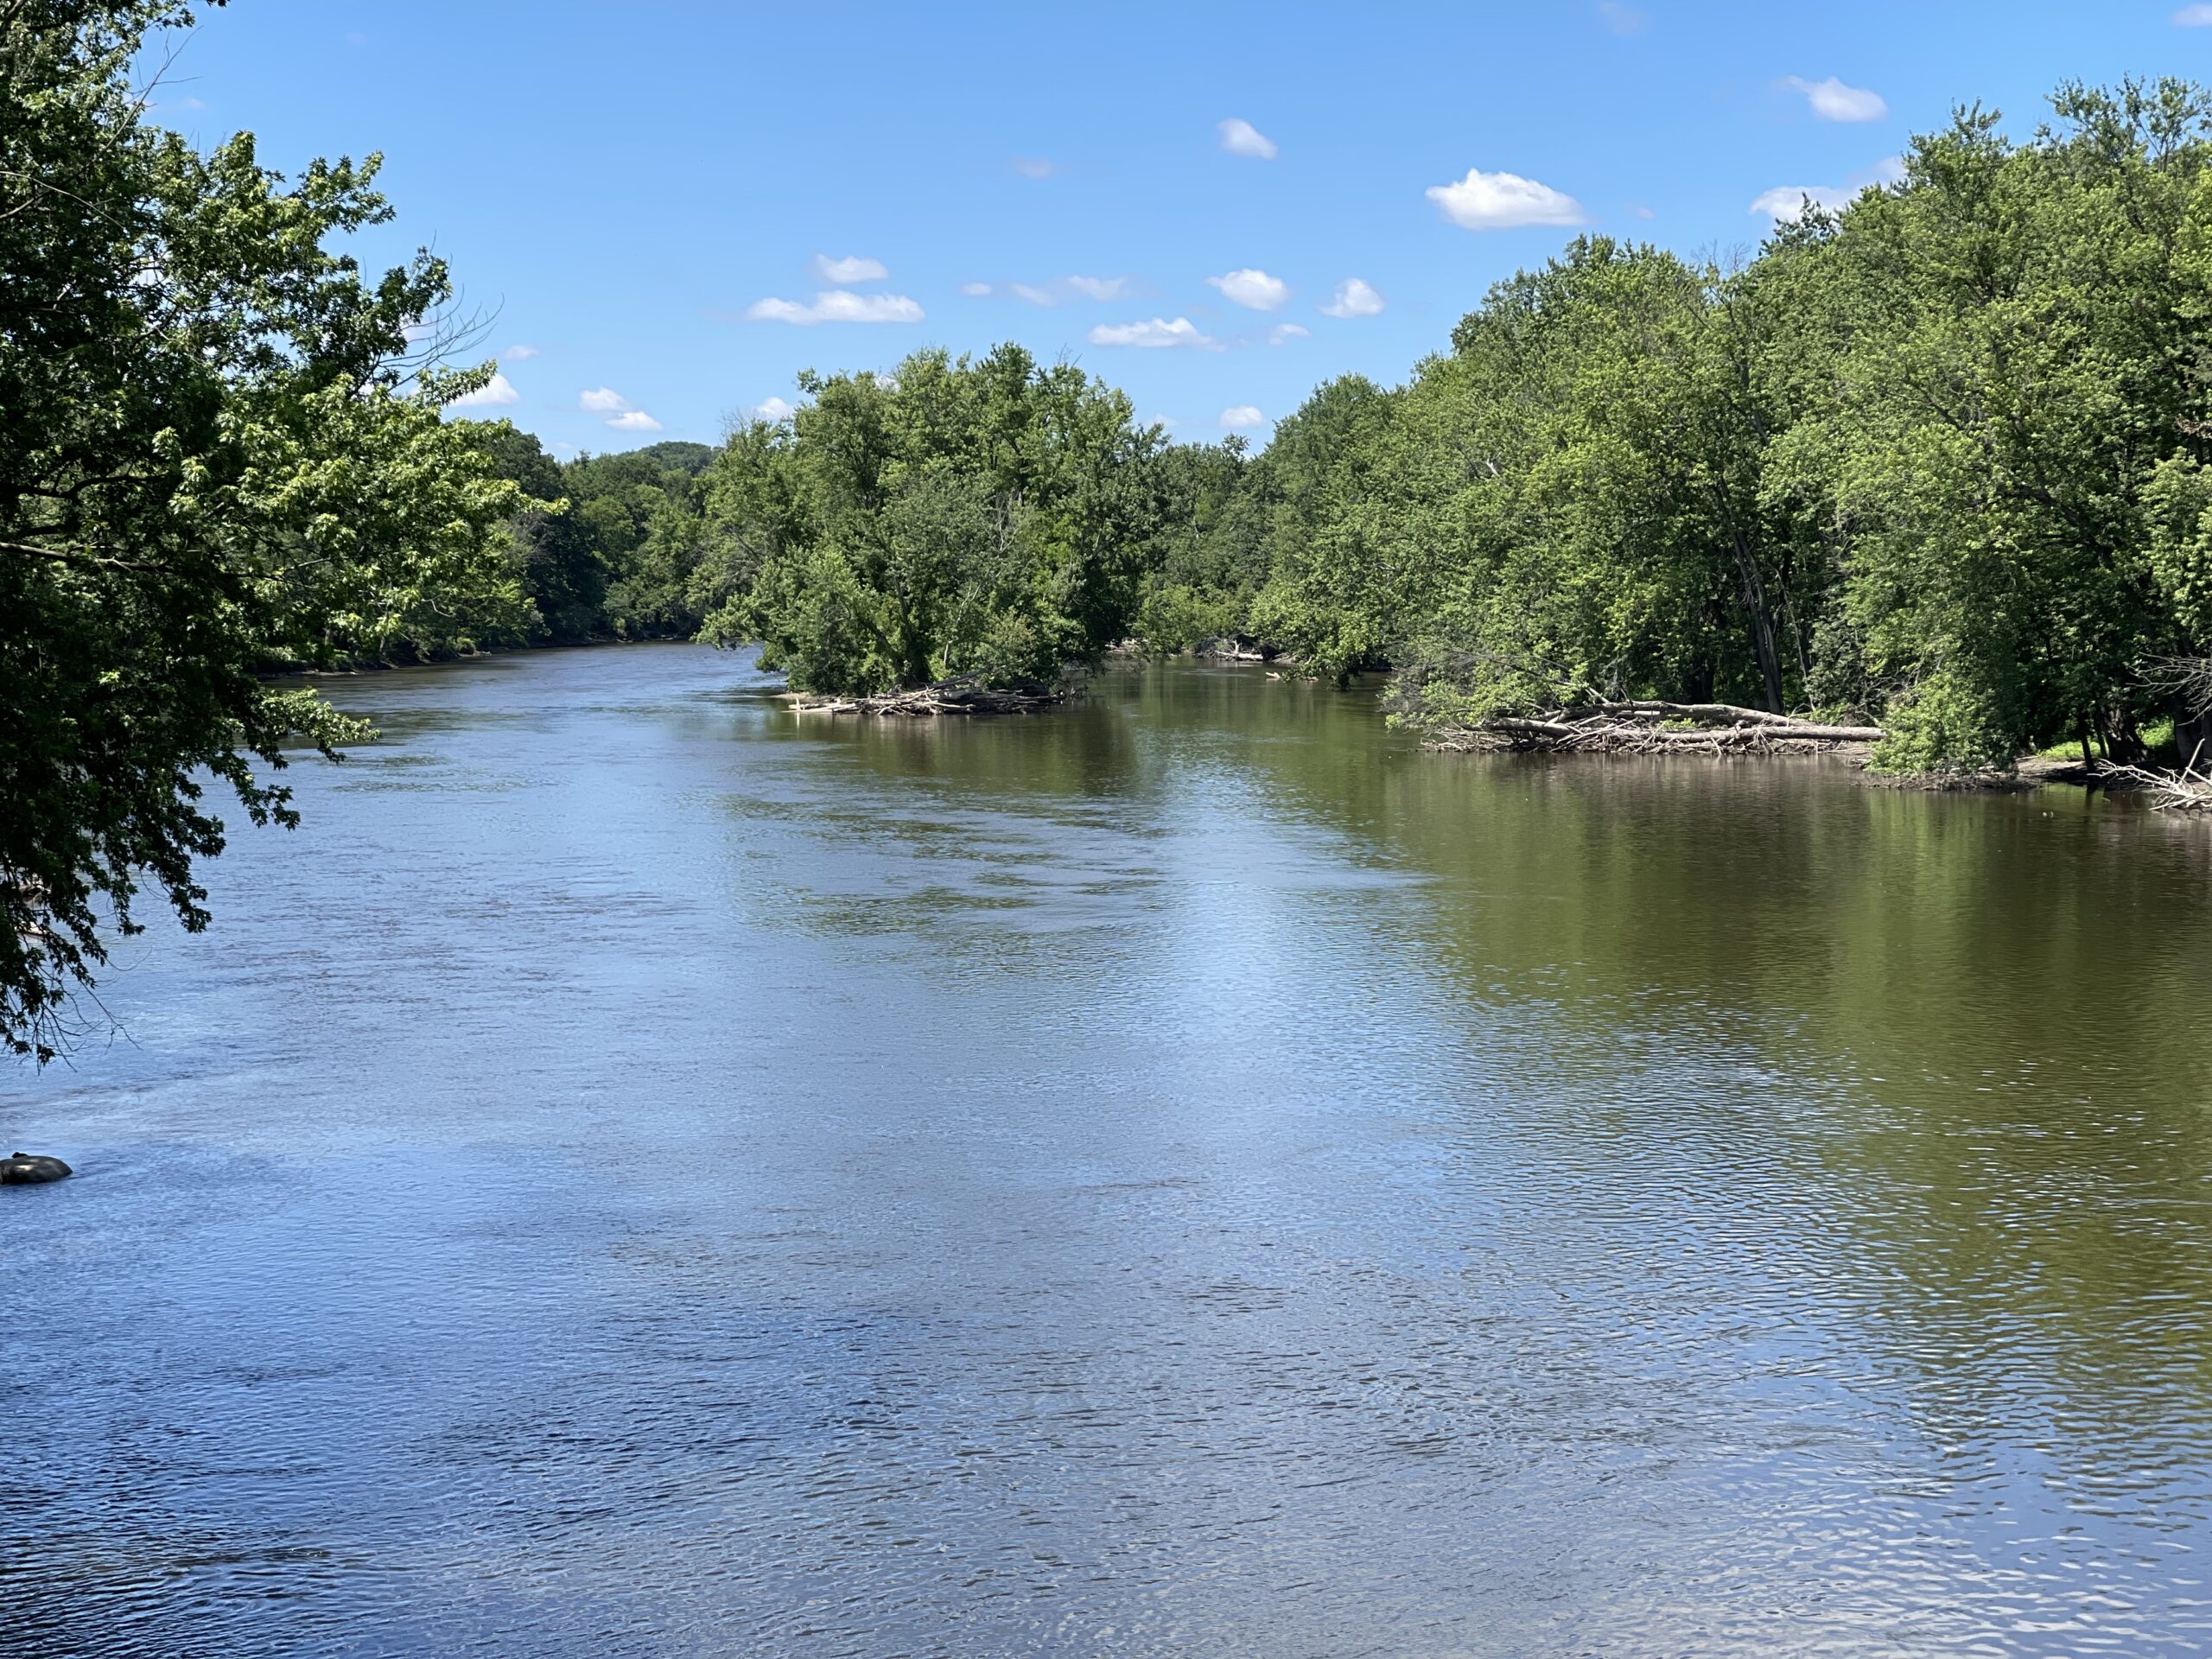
point(1937, 460)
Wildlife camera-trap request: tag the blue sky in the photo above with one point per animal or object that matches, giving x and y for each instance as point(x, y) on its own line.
point(621, 186)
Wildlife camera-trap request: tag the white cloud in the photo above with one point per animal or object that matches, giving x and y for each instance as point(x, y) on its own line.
point(975, 290)
point(836, 306)
point(1834, 101)
point(1502, 202)
point(604, 400)
point(1623, 20)
point(634, 419)
point(1242, 139)
point(1284, 332)
point(493, 392)
point(2193, 17)
point(518, 353)
point(1062, 288)
point(1242, 417)
point(1640, 211)
point(1786, 202)
point(771, 410)
point(1155, 333)
point(1253, 289)
point(1354, 299)
point(849, 270)
point(1036, 167)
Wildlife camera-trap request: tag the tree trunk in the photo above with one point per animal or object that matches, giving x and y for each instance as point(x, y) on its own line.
point(1755, 606)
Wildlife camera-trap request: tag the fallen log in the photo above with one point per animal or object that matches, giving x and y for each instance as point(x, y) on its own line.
point(2188, 790)
point(1734, 714)
point(931, 701)
point(1633, 728)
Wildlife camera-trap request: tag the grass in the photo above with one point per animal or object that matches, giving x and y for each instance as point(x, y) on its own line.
point(2158, 737)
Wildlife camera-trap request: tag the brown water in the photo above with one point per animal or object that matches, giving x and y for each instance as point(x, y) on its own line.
point(643, 1173)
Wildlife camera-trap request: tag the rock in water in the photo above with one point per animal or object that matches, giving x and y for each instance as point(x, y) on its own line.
point(28, 1168)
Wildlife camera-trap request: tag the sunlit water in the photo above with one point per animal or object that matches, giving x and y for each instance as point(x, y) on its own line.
point(643, 1173)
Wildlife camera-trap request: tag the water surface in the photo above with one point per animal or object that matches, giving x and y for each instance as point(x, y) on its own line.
point(642, 1173)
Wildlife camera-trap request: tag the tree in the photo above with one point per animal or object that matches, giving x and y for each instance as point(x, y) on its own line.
point(2017, 416)
point(218, 457)
point(984, 516)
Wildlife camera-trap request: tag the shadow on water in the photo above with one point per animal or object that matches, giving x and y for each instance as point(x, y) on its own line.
point(644, 1172)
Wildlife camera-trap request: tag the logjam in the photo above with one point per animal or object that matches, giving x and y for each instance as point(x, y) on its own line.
point(2188, 790)
point(1645, 727)
point(953, 698)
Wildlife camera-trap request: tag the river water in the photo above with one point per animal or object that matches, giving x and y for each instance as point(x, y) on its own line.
point(643, 1173)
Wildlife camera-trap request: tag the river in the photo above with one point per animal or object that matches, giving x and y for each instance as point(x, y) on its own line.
point(642, 1173)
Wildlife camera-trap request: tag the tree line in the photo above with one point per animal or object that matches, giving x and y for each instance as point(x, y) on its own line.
point(1937, 460)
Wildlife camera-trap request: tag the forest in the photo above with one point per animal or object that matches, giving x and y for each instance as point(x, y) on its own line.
point(1935, 461)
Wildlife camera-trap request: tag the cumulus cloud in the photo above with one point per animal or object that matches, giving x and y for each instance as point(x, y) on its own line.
point(769, 409)
point(1241, 137)
point(1834, 101)
point(1156, 334)
point(621, 414)
point(1242, 417)
point(836, 306)
point(1253, 289)
point(1354, 299)
point(1100, 288)
point(1785, 203)
point(1036, 167)
point(1503, 201)
point(1032, 296)
point(493, 392)
point(1282, 333)
point(975, 290)
point(518, 353)
point(849, 270)
point(2193, 17)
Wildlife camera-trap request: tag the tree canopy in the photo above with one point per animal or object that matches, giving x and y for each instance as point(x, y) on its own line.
point(219, 456)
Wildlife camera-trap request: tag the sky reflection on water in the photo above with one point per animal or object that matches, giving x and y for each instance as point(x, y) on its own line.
point(643, 1173)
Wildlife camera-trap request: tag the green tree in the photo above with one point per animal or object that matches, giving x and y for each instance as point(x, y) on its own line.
point(982, 516)
point(216, 458)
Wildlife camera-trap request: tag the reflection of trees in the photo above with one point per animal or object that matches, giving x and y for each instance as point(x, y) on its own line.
point(1959, 1039)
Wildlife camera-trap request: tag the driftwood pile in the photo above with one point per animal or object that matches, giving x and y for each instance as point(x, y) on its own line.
point(1651, 727)
point(952, 698)
point(2188, 790)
